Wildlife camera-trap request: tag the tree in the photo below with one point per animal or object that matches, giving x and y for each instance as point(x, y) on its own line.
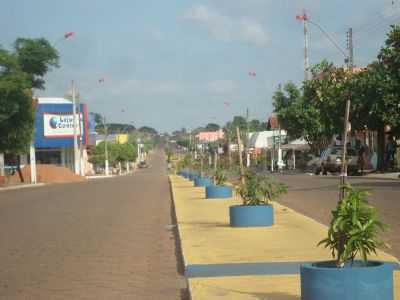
point(316, 112)
point(116, 153)
point(35, 57)
point(255, 125)
point(212, 127)
point(148, 130)
point(376, 93)
point(20, 71)
point(16, 106)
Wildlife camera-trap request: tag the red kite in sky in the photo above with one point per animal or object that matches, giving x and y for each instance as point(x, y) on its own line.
point(69, 34)
point(252, 73)
point(303, 16)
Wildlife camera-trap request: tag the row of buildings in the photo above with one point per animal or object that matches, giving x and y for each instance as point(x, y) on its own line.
point(53, 141)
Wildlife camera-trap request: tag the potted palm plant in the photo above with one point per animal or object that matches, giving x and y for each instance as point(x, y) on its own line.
point(256, 192)
point(219, 190)
point(352, 236)
point(202, 180)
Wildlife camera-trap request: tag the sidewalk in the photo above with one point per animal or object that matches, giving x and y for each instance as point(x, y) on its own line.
point(21, 186)
point(245, 263)
point(391, 176)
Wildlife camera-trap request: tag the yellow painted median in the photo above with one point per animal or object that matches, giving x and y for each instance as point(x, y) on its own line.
point(207, 239)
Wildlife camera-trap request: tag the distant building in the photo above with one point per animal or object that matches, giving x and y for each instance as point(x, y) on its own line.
point(210, 136)
point(54, 131)
point(265, 139)
point(120, 138)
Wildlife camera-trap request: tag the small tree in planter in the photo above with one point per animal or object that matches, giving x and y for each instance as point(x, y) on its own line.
point(219, 190)
point(220, 177)
point(184, 165)
point(353, 233)
point(256, 192)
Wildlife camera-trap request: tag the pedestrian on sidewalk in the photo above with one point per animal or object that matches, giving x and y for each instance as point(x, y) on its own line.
point(391, 149)
point(361, 158)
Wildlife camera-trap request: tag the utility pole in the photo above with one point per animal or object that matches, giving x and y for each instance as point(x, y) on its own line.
point(81, 164)
point(106, 169)
point(304, 18)
point(247, 139)
point(76, 151)
point(343, 176)
point(306, 57)
point(240, 156)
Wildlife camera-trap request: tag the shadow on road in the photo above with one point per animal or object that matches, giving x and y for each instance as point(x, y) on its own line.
point(184, 292)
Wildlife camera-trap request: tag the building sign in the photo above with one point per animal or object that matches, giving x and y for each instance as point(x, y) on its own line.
point(59, 125)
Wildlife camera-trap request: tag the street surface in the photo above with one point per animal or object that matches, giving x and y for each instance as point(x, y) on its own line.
point(316, 196)
point(104, 239)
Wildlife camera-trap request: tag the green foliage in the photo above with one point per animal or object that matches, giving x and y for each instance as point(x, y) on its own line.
point(183, 143)
point(259, 189)
point(212, 127)
point(148, 130)
point(36, 57)
point(20, 71)
point(220, 177)
point(168, 153)
point(116, 153)
point(354, 228)
point(316, 111)
point(113, 128)
point(185, 163)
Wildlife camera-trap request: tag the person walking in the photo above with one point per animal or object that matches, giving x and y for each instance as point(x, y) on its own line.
point(361, 159)
point(391, 148)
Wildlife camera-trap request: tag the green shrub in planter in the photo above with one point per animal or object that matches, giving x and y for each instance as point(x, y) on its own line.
point(354, 228)
point(259, 189)
point(256, 192)
point(353, 232)
point(220, 177)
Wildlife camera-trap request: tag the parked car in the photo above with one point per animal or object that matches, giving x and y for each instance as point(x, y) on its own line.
point(331, 161)
point(143, 164)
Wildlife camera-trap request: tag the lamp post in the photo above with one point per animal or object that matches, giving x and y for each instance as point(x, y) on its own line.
point(75, 127)
point(106, 168)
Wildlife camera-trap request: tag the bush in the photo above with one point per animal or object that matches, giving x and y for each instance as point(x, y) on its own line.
point(354, 228)
point(220, 177)
point(259, 189)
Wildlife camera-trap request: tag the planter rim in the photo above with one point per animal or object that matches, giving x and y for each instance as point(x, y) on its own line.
point(242, 205)
point(370, 264)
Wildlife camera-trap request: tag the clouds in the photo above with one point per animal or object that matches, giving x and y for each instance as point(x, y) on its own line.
point(228, 29)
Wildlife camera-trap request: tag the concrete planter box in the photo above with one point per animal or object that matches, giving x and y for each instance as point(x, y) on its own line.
point(323, 280)
point(202, 181)
point(218, 192)
point(251, 216)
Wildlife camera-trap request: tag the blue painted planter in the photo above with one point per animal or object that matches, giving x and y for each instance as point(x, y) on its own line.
point(185, 174)
point(202, 181)
point(218, 191)
point(191, 176)
point(251, 216)
point(324, 281)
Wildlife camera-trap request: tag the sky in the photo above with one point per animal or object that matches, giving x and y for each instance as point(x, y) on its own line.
point(170, 64)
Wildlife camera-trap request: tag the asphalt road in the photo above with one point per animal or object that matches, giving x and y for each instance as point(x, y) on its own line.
point(316, 196)
point(104, 239)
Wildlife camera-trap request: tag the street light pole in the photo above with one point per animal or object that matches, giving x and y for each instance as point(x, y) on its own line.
point(76, 153)
point(106, 169)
